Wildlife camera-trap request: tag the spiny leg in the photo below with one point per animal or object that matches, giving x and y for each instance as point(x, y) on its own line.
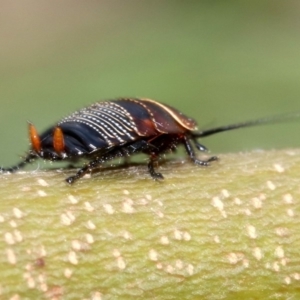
point(30, 157)
point(154, 175)
point(189, 149)
point(150, 149)
point(89, 167)
point(94, 164)
point(126, 151)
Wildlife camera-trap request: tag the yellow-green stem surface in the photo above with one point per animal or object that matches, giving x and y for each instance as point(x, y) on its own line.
point(229, 231)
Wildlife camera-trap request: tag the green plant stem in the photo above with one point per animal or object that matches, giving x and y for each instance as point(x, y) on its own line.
point(229, 231)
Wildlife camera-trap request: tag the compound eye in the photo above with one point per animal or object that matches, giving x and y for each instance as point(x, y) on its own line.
point(58, 140)
point(34, 138)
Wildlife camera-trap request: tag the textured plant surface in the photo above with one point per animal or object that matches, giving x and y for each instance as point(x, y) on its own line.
point(229, 231)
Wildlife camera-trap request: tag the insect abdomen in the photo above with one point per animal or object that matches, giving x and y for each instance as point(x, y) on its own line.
point(100, 125)
point(117, 122)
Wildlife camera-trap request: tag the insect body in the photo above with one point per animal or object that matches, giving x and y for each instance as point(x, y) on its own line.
point(120, 128)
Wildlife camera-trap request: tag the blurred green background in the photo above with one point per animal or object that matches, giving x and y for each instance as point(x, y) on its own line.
point(218, 61)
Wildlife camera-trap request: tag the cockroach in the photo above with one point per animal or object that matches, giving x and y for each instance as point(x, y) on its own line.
point(120, 128)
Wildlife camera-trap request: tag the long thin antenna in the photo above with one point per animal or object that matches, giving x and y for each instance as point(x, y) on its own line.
point(268, 120)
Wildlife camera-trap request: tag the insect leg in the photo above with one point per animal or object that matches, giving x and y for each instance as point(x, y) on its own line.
point(119, 152)
point(189, 149)
point(154, 175)
point(150, 149)
point(30, 157)
point(89, 167)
